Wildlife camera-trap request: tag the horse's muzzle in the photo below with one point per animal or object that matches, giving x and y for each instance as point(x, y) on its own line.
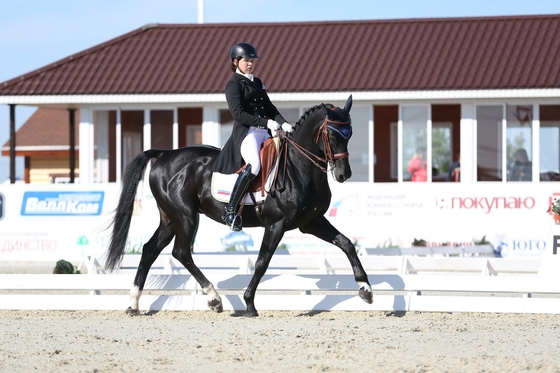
point(342, 170)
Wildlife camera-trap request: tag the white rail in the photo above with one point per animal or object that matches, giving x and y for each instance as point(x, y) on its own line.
point(441, 284)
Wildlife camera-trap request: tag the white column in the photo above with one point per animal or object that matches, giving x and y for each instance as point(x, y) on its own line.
point(118, 145)
point(468, 144)
point(504, 143)
point(175, 128)
point(429, 153)
point(400, 160)
point(147, 130)
point(102, 161)
point(210, 126)
point(371, 157)
point(86, 149)
point(535, 146)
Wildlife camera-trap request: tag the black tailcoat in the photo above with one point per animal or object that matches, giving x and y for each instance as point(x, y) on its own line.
point(249, 105)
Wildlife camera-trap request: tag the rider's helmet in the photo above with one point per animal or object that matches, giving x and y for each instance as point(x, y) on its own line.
point(243, 50)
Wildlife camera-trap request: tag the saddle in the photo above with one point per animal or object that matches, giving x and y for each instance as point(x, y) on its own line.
point(268, 153)
point(223, 183)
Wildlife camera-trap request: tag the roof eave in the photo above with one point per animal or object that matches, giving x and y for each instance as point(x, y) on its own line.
point(474, 94)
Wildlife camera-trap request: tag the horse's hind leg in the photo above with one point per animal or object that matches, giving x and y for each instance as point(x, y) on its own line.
point(324, 230)
point(150, 251)
point(182, 252)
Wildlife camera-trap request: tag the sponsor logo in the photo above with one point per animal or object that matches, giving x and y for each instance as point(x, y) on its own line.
point(486, 204)
point(62, 203)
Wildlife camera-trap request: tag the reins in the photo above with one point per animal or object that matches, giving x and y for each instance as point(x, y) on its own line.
point(324, 134)
point(328, 159)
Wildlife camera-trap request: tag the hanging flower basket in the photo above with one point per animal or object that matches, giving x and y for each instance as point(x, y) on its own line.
point(555, 210)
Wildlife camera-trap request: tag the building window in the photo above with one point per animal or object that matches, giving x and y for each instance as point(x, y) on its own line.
point(161, 129)
point(132, 135)
point(190, 126)
point(415, 143)
point(489, 142)
point(549, 143)
point(519, 142)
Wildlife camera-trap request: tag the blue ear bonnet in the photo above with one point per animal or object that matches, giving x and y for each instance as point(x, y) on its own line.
point(344, 130)
point(338, 119)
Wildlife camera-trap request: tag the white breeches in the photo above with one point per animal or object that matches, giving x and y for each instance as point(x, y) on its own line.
point(251, 146)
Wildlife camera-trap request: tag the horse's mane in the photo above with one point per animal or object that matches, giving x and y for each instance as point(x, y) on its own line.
point(308, 113)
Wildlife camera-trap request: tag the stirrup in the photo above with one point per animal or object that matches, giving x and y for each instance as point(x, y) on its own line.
point(230, 219)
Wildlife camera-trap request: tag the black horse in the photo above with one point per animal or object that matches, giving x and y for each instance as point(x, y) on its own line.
point(180, 182)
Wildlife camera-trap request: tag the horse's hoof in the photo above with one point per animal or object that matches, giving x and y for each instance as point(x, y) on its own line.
point(252, 314)
point(366, 295)
point(216, 305)
point(131, 312)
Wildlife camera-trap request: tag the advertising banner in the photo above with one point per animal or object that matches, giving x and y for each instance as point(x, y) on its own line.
point(63, 221)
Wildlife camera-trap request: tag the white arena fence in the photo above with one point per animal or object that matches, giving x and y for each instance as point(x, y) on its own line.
point(399, 282)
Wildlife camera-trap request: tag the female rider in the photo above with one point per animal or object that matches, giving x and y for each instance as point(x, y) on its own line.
point(254, 115)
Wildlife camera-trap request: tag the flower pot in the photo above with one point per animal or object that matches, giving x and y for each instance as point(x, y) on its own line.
point(556, 219)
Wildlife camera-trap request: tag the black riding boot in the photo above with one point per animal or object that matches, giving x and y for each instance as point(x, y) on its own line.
point(230, 216)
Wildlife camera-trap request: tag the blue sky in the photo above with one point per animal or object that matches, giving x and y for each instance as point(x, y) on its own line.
point(35, 33)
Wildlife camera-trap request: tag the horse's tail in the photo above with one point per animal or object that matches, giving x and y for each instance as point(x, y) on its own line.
point(133, 174)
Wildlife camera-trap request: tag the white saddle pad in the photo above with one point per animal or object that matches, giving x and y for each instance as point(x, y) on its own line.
point(222, 185)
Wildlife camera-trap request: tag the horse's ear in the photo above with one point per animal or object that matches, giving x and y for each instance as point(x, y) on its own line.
point(348, 104)
point(325, 110)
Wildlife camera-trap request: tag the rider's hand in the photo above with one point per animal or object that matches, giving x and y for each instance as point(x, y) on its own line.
point(273, 126)
point(287, 127)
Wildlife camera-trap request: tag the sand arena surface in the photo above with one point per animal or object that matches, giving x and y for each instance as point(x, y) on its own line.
point(203, 341)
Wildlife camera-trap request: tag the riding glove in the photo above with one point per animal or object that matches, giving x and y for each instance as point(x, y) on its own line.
point(273, 126)
point(287, 127)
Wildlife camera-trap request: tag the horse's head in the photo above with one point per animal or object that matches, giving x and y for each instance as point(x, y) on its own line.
point(335, 133)
point(322, 136)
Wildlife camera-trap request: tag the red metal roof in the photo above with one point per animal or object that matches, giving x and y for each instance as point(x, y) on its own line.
point(416, 54)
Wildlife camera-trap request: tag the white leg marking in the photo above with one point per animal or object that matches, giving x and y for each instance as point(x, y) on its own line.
point(135, 294)
point(214, 300)
point(366, 287)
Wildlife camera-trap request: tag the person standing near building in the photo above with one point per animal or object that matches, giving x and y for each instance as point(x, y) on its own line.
point(521, 168)
point(454, 173)
point(255, 120)
point(417, 166)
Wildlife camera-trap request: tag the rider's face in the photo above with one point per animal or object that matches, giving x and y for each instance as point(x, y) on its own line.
point(246, 65)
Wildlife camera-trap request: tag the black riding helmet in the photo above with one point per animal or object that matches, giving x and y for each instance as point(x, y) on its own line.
point(243, 50)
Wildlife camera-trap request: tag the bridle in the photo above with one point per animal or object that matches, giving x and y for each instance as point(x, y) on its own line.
point(323, 133)
point(329, 158)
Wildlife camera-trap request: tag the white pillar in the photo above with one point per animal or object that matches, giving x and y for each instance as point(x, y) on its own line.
point(210, 126)
point(535, 146)
point(429, 153)
point(468, 144)
point(147, 130)
point(102, 161)
point(118, 145)
point(86, 149)
point(400, 141)
point(175, 128)
point(371, 151)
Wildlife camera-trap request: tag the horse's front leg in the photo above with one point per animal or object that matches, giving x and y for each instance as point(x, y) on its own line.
point(271, 239)
point(324, 230)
